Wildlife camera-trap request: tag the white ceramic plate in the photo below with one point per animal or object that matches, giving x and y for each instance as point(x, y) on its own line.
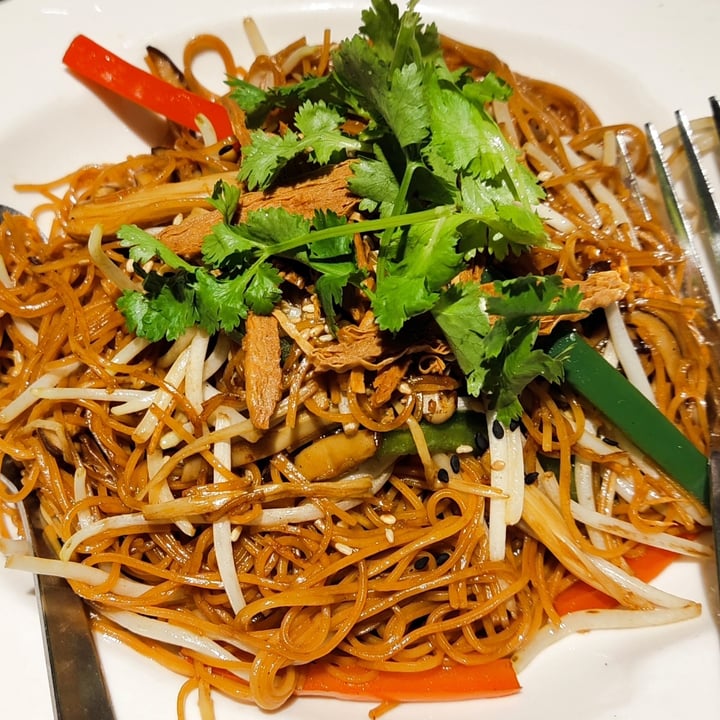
point(634, 61)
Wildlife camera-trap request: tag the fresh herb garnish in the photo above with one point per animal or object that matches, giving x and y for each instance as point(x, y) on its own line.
point(316, 137)
point(492, 332)
point(440, 184)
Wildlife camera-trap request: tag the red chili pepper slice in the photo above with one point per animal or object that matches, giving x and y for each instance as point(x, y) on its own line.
point(94, 62)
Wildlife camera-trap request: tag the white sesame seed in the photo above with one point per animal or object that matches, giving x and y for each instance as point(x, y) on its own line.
point(389, 535)
point(388, 519)
point(344, 549)
point(463, 449)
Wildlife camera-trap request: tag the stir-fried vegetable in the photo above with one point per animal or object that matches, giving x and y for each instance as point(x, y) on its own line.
point(580, 596)
point(444, 683)
point(462, 430)
point(347, 506)
point(93, 62)
point(633, 414)
point(439, 184)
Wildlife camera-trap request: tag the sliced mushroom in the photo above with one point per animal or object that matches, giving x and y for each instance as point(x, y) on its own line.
point(163, 67)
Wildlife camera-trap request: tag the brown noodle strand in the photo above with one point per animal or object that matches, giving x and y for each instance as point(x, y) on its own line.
point(366, 576)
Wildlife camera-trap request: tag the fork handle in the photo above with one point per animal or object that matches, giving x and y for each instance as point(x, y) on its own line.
point(76, 681)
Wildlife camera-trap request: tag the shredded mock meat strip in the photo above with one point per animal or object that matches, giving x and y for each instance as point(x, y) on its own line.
point(598, 290)
point(327, 190)
point(263, 374)
point(601, 289)
point(386, 382)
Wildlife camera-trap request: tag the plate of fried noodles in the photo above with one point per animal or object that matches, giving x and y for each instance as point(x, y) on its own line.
point(318, 382)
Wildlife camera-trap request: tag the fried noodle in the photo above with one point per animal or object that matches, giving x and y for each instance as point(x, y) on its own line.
point(238, 528)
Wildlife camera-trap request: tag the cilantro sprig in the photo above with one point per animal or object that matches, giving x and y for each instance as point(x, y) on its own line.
point(492, 333)
point(439, 184)
point(317, 137)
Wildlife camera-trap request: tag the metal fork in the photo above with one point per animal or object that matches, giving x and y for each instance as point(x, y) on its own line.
point(77, 683)
point(704, 244)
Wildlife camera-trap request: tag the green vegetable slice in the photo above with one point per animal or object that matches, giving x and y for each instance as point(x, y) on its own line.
point(463, 429)
point(633, 414)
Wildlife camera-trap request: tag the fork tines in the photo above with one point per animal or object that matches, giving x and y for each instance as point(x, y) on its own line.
point(704, 243)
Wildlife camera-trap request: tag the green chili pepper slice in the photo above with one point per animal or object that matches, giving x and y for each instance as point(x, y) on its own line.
point(633, 414)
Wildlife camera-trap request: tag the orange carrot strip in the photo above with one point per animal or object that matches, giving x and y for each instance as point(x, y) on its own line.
point(456, 682)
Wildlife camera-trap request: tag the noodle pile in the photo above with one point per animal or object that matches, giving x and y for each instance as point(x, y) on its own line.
point(221, 501)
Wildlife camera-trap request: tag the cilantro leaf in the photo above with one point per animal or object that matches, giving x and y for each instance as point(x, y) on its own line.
point(319, 126)
point(381, 24)
point(332, 247)
point(489, 87)
point(405, 107)
point(432, 167)
point(500, 224)
point(522, 363)
point(375, 181)
point(225, 198)
point(253, 100)
point(334, 277)
point(398, 298)
point(263, 159)
point(220, 302)
point(145, 247)
point(257, 103)
point(363, 72)
point(166, 314)
point(317, 137)
point(409, 284)
point(399, 39)
point(393, 98)
point(462, 315)
point(264, 292)
point(226, 242)
point(493, 334)
point(274, 225)
point(464, 139)
point(533, 296)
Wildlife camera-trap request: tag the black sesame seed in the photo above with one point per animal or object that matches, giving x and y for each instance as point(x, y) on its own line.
point(498, 430)
point(611, 442)
point(225, 149)
point(442, 558)
point(481, 443)
point(443, 475)
point(455, 463)
point(514, 424)
point(531, 477)
point(421, 563)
